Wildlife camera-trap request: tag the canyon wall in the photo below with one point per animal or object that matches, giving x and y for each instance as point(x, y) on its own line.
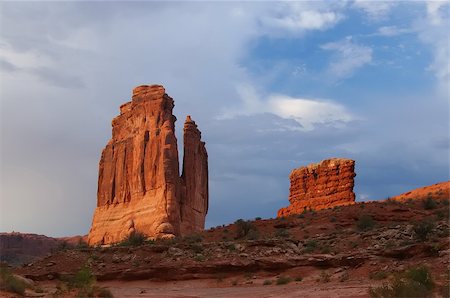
point(139, 187)
point(326, 184)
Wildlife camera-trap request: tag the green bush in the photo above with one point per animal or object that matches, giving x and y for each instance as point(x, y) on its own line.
point(310, 246)
point(365, 222)
point(422, 275)
point(283, 280)
point(104, 293)
point(84, 279)
point(415, 282)
point(243, 228)
point(378, 275)
point(429, 203)
point(134, 239)
point(10, 283)
point(422, 229)
point(282, 233)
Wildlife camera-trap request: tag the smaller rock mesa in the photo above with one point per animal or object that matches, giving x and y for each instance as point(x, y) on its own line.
point(326, 184)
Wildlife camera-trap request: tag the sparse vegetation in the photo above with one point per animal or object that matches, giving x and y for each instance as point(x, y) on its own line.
point(267, 282)
point(333, 219)
point(83, 279)
point(134, 239)
point(104, 293)
point(415, 282)
point(422, 229)
point(283, 280)
point(9, 283)
point(258, 218)
point(243, 228)
point(282, 233)
point(344, 276)
point(365, 222)
point(310, 246)
point(324, 277)
point(378, 275)
point(298, 278)
point(429, 203)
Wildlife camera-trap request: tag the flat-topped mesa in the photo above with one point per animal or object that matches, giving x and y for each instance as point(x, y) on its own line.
point(322, 185)
point(139, 186)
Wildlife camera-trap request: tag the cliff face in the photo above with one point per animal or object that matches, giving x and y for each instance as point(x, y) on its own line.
point(319, 186)
point(139, 187)
point(194, 202)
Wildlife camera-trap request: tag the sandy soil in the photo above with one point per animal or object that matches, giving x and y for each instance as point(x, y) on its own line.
point(212, 288)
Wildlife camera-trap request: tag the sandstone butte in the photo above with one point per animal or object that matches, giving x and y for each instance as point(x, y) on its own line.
point(139, 185)
point(326, 184)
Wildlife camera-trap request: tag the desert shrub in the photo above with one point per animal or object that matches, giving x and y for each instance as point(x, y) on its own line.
point(258, 218)
point(300, 216)
point(199, 258)
point(310, 246)
point(365, 222)
point(267, 282)
point(196, 247)
point(234, 282)
point(194, 238)
point(243, 228)
point(83, 279)
point(422, 229)
point(324, 277)
point(333, 219)
point(422, 275)
point(81, 244)
point(134, 239)
point(252, 235)
point(9, 283)
point(429, 203)
point(344, 277)
point(378, 275)
point(282, 233)
point(283, 280)
point(415, 282)
point(230, 246)
point(326, 249)
point(104, 293)
point(298, 278)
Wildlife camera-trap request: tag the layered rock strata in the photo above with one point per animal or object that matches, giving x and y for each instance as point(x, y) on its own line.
point(139, 186)
point(326, 184)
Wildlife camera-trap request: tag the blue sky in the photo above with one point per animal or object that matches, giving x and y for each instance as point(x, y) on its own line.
point(272, 85)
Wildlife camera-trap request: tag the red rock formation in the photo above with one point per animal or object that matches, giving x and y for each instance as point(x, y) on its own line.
point(319, 186)
point(194, 203)
point(139, 187)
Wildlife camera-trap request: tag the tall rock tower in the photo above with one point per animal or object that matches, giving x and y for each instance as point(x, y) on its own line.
point(139, 185)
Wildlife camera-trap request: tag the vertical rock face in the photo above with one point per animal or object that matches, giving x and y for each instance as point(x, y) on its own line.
point(139, 187)
point(319, 186)
point(194, 203)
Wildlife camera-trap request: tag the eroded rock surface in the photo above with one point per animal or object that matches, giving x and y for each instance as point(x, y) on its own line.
point(139, 187)
point(322, 185)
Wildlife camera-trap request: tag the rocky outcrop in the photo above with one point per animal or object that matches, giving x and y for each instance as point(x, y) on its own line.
point(139, 187)
point(319, 186)
point(194, 194)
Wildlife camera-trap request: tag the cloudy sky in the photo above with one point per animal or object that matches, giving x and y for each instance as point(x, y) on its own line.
point(272, 85)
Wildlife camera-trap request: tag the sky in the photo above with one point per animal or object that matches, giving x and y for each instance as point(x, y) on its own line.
point(272, 86)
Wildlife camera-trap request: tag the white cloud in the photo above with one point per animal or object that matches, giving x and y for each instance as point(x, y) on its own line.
point(298, 17)
point(434, 11)
point(349, 57)
point(433, 31)
point(375, 10)
point(306, 112)
point(392, 31)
